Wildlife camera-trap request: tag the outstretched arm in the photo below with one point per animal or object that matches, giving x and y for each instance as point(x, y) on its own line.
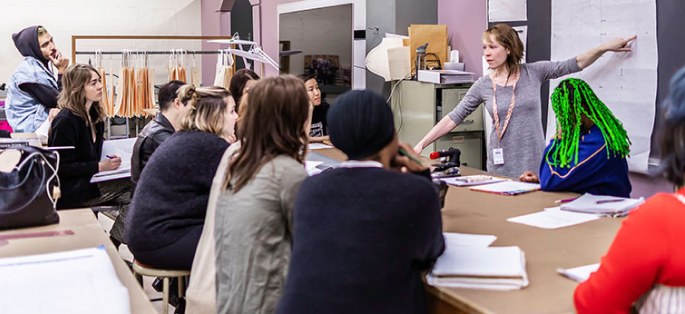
point(443, 127)
point(617, 44)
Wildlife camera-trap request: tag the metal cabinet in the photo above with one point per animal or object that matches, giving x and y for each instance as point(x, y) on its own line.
point(418, 106)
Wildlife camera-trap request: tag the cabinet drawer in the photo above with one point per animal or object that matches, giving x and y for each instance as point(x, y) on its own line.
point(450, 99)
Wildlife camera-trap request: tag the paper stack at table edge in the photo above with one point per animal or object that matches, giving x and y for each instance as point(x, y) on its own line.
point(593, 204)
point(493, 268)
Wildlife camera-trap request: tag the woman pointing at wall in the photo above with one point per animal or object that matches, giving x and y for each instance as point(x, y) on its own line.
point(511, 94)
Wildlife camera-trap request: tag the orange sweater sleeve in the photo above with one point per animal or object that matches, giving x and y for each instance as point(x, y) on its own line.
point(632, 264)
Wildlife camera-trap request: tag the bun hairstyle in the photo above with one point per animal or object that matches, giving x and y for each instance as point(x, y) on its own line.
point(509, 39)
point(207, 108)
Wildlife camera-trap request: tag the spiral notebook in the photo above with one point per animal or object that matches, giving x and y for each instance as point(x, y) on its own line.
point(508, 188)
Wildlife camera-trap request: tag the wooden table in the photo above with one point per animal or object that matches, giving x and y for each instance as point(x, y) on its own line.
point(469, 211)
point(87, 234)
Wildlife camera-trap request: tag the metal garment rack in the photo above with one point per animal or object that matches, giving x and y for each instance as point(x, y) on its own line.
point(75, 52)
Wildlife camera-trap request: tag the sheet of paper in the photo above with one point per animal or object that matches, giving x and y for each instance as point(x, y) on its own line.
point(580, 273)
point(313, 146)
point(81, 281)
point(553, 218)
point(43, 130)
point(458, 181)
point(475, 261)
point(507, 187)
point(464, 239)
point(122, 148)
point(507, 10)
point(625, 82)
point(311, 167)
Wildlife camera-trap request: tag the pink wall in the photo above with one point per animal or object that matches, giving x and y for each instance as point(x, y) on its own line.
point(213, 24)
point(466, 21)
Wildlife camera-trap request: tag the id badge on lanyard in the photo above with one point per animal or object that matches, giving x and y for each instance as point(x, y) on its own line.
point(498, 153)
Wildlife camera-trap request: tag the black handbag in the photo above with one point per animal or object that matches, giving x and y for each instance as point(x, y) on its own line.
point(29, 191)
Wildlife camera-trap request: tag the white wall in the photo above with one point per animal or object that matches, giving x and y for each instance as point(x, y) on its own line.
point(324, 31)
point(87, 17)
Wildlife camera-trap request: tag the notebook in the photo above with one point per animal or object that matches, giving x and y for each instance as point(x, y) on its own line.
point(602, 205)
point(472, 180)
point(124, 150)
point(494, 268)
point(508, 188)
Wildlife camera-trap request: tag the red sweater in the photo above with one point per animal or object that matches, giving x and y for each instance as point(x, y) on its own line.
point(649, 249)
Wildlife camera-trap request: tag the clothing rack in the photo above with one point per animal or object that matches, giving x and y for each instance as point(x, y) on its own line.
point(76, 38)
point(147, 52)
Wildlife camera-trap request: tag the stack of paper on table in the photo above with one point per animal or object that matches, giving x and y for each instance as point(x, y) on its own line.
point(508, 188)
point(81, 281)
point(453, 239)
point(445, 76)
point(494, 268)
point(472, 180)
point(553, 218)
point(602, 205)
point(124, 150)
point(580, 273)
point(313, 146)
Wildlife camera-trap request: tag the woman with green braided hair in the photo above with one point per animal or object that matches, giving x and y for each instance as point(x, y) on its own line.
point(589, 152)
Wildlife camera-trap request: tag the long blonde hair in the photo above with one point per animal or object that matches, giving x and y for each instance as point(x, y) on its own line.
point(207, 108)
point(73, 95)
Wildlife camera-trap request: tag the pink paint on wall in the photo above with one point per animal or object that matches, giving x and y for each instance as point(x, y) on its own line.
point(466, 21)
point(213, 24)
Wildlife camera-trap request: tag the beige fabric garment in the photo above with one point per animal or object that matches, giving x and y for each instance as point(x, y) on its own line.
point(201, 293)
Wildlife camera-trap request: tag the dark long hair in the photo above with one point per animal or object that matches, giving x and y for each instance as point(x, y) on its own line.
point(274, 125)
point(238, 82)
point(672, 132)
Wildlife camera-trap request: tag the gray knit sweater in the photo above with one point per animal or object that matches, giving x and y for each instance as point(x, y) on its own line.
point(523, 142)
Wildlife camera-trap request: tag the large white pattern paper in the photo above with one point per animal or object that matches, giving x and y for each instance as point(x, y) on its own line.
point(625, 82)
point(507, 10)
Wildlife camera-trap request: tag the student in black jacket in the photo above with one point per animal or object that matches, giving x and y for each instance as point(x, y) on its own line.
point(171, 108)
point(80, 124)
point(364, 232)
point(168, 210)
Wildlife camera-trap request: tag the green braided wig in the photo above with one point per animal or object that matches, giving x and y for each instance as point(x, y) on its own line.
point(570, 100)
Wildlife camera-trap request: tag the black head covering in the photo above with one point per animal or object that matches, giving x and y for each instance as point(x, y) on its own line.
point(360, 123)
point(26, 42)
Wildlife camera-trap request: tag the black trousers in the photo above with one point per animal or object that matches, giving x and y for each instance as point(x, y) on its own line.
point(178, 255)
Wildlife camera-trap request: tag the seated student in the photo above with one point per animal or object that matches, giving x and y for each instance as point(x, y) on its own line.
point(364, 232)
point(589, 154)
point(254, 209)
point(318, 132)
point(645, 265)
point(165, 123)
point(241, 82)
point(81, 125)
point(168, 208)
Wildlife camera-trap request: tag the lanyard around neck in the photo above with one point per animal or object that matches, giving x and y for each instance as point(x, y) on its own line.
point(495, 114)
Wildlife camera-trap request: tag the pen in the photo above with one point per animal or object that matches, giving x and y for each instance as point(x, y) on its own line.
point(108, 156)
point(404, 153)
point(609, 201)
point(565, 201)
